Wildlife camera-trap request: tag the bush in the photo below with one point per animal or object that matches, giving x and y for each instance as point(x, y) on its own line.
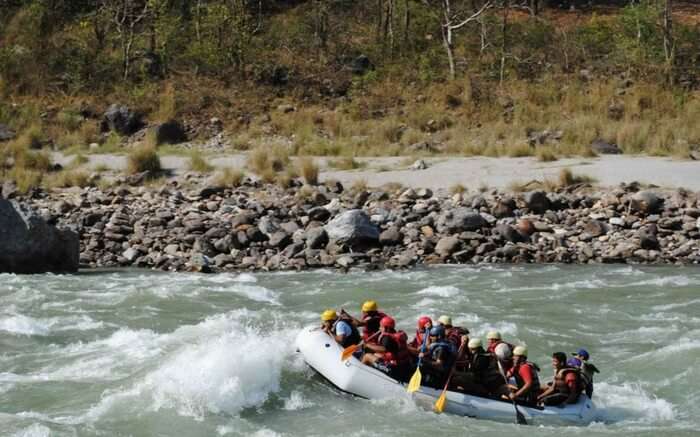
point(199, 164)
point(308, 170)
point(143, 158)
point(229, 177)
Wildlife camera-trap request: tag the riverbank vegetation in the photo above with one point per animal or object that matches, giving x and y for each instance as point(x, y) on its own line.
point(344, 78)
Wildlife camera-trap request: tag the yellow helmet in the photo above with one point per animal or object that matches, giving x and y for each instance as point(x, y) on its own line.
point(328, 315)
point(369, 305)
point(520, 351)
point(493, 335)
point(445, 320)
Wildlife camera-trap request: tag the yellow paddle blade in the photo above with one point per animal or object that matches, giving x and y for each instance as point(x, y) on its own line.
point(440, 403)
point(414, 383)
point(347, 352)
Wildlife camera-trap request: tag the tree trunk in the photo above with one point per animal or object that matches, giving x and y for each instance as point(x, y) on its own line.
point(669, 46)
point(504, 42)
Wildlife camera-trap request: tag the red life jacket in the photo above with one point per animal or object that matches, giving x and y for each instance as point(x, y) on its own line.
point(454, 335)
point(371, 326)
point(418, 340)
point(401, 356)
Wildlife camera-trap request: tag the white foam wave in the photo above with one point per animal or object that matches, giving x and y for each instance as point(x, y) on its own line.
point(441, 291)
point(254, 292)
point(35, 430)
point(219, 365)
point(629, 402)
point(296, 401)
point(25, 325)
point(672, 306)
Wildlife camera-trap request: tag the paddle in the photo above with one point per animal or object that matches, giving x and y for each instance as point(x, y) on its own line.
point(442, 400)
point(414, 383)
point(348, 351)
point(519, 418)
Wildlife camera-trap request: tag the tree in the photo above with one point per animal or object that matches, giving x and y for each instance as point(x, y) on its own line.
point(127, 17)
point(454, 15)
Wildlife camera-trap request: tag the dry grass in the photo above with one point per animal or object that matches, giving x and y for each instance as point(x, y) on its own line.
point(308, 169)
point(568, 178)
point(265, 161)
point(144, 158)
point(198, 164)
point(545, 155)
point(229, 177)
point(167, 105)
point(458, 189)
point(346, 163)
point(359, 185)
point(67, 178)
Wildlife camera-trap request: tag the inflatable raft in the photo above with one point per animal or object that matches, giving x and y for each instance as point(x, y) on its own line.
point(322, 353)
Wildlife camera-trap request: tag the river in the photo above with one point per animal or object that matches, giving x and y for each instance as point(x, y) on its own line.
point(139, 353)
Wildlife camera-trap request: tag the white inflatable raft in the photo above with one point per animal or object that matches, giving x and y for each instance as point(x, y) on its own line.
point(322, 353)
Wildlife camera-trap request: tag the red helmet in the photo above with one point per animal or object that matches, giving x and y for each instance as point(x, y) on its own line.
point(387, 322)
point(424, 321)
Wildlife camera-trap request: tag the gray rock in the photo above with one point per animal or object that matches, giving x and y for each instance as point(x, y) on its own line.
point(459, 220)
point(316, 238)
point(537, 202)
point(447, 246)
point(122, 120)
point(508, 233)
point(646, 202)
point(200, 263)
point(30, 245)
point(280, 239)
point(595, 228)
point(352, 227)
point(5, 133)
point(130, 254)
point(617, 221)
point(390, 237)
point(504, 208)
point(419, 165)
point(170, 132)
point(319, 214)
point(605, 148)
point(648, 239)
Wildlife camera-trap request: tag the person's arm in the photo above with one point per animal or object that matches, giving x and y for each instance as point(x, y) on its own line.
point(548, 391)
point(345, 316)
point(526, 374)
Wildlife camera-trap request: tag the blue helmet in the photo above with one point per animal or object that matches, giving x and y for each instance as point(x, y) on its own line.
point(437, 331)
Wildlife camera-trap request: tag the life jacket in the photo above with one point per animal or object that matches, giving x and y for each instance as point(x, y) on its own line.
point(587, 372)
point(454, 335)
point(353, 338)
point(520, 382)
point(401, 356)
point(561, 375)
point(448, 349)
point(371, 326)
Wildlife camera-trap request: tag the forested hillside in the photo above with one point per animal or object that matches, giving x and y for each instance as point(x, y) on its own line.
point(346, 77)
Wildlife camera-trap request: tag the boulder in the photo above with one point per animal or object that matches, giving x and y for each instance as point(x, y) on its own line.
point(361, 65)
point(170, 132)
point(30, 245)
point(352, 227)
point(537, 202)
point(509, 233)
point(121, 120)
point(604, 148)
point(504, 208)
point(390, 237)
point(595, 228)
point(459, 220)
point(646, 202)
point(5, 133)
point(447, 246)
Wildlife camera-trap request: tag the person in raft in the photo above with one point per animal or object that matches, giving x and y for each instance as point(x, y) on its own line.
point(341, 330)
point(390, 353)
point(527, 383)
point(566, 386)
point(438, 359)
point(422, 330)
point(587, 369)
point(369, 321)
point(459, 337)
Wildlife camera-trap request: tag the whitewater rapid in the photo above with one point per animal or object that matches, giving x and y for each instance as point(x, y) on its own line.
point(140, 353)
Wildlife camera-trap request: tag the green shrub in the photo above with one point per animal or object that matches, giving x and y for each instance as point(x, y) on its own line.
point(143, 158)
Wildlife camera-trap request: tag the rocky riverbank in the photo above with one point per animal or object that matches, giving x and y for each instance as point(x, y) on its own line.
point(190, 225)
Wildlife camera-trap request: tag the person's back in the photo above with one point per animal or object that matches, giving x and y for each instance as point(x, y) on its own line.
point(341, 330)
point(439, 357)
point(588, 370)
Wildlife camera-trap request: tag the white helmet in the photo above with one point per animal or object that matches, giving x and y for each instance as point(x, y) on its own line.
point(474, 343)
point(503, 352)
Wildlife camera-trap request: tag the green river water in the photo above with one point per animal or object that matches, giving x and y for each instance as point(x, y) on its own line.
point(136, 353)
